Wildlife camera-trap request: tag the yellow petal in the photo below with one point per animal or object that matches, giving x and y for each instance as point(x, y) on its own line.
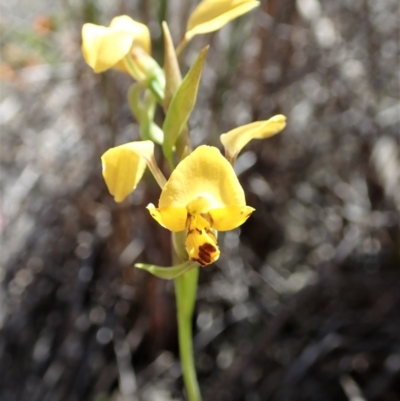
point(140, 31)
point(92, 37)
point(123, 167)
point(173, 218)
point(235, 140)
point(204, 173)
point(103, 48)
point(230, 217)
point(211, 15)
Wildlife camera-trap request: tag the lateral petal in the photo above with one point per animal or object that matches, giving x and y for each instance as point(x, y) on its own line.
point(230, 217)
point(173, 218)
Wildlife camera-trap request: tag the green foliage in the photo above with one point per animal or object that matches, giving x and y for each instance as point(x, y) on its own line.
point(181, 106)
point(143, 106)
point(168, 273)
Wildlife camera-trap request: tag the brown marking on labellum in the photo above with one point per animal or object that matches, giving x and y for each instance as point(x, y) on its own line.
point(205, 252)
point(208, 247)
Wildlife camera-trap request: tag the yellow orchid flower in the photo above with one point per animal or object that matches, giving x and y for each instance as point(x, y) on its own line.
point(235, 140)
point(124, 165)
point(106, 47)
point(211, 15)
point(202, 196)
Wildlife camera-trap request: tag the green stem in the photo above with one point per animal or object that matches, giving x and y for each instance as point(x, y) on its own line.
point(185, 291)
point(153, 85)
point(157, 90)
point(133, 70)
point(181, 46)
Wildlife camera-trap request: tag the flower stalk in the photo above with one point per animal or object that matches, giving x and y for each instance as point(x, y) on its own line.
point(157, 174)
point(182, 44)
point(185, 292)
point(152, 83)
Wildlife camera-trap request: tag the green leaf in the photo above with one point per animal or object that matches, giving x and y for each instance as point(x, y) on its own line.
point(168, 273)
point(181, 106)
point(173, 77)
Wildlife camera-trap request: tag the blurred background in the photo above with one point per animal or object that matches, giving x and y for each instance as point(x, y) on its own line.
point(304, 301)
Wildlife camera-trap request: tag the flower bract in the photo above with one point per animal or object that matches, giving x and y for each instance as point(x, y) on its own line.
point(105, 47)
point(202, 196)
